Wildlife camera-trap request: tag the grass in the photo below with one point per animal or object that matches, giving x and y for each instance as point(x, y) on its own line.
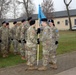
point(67, 43)
point(10, 61)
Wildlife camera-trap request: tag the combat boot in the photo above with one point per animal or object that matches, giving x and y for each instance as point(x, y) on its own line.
point(50, 62)
point(23, 58)
point(43, 68)
point(54, 66)
point(5, 55)
point(32, 68)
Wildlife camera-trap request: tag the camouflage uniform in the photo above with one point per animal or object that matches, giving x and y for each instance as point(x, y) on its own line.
point(0, 39)
point(4, 37)
point(31, 45)
point(55, 37)
point(46, 43)
point(14, 37)
point(23, 34)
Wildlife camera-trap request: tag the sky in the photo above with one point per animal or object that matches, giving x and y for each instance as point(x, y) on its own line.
point(58, 4)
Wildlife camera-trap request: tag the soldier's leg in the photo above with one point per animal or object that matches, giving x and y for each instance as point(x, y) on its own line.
point(53, 57)
point(45, 58)
point(31, 59)
point(4, 49)
point(9, 45)
point(22, 51)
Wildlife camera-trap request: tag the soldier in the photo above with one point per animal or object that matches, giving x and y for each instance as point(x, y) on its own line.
point(0, 39)
point(9, 38)
point(31, 45)
point(14, 38)
point(4, 39)
point(22, 39)
point(27, 25)
point(55, 37)
point(46, 43)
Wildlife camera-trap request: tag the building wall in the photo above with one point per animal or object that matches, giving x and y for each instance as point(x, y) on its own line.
point(11, 24)
point(62, 25)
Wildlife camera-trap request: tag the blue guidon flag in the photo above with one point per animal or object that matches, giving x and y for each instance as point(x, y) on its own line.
point(40, 13)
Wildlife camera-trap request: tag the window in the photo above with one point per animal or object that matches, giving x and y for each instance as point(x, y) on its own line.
point(58, 22)
point(66, 22)
point(75, 21)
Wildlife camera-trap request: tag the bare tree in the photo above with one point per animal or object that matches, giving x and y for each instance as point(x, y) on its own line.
point(67, 7)
point(4, 7)
point(29, 7)
point(47, 7)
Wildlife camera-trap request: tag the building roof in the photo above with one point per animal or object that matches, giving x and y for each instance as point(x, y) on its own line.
point(58, 14)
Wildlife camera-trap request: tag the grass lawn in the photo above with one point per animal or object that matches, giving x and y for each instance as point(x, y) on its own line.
point(67, 43)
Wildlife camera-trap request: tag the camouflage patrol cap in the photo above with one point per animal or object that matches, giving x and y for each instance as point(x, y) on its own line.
point(3, 22)
point(29, 18)
point(14, 22)
point(7, 23)
point(32, 22)
point(23, 20)
point(44, 19)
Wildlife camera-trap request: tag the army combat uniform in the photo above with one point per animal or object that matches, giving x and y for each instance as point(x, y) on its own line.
point(55, 37)
point(31, 45)
point(4, 38)
point(14, 39)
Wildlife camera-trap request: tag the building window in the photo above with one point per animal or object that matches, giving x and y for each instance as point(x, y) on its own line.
point(75, 21)
point(66, 22)
point(58, 22)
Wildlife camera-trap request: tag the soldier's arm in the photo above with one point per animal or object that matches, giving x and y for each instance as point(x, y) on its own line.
point(44, 35)
point(33, 37)
point(56, 34)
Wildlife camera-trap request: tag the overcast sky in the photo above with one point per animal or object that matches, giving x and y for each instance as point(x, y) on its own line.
point(58, 4)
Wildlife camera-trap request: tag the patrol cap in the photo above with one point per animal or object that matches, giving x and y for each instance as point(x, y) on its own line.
point(23, 20)
point(44, 19)
point(51, 21)
point(29, 18)
point(32, 22)
point(7, 23)
point(3, 22)
point(14, 22)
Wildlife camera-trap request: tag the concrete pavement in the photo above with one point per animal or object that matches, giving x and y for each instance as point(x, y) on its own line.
point(65, 62)
point(68, 72)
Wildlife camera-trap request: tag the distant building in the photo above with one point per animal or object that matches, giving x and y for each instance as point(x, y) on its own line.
point(60, 19)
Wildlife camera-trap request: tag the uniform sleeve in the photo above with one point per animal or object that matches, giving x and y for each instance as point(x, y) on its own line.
point(46, 34)
point(57, 34)
point(33, 36)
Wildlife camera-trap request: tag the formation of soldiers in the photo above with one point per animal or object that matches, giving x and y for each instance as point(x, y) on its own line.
point(24, 41)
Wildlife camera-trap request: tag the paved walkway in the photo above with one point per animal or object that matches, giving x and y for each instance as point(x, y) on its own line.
point(68, 72)
point(65, 62)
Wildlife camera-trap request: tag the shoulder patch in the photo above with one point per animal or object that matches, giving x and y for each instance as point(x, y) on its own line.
point(56, 31)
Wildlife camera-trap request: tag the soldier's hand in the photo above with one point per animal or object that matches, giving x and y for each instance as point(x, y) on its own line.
point(12, 39)
point(56, 42)
point(38, 30)
point(38, 41)
point(0, 41)
point(19, 41)
point(24, 40)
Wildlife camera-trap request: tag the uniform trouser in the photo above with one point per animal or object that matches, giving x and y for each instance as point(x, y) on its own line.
point(45, 57)
point(9, 45)
point(31, 52)
point(53, 58)
point(22, 49)
point(0, 47)
point(4, 47)
point(15, 45)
